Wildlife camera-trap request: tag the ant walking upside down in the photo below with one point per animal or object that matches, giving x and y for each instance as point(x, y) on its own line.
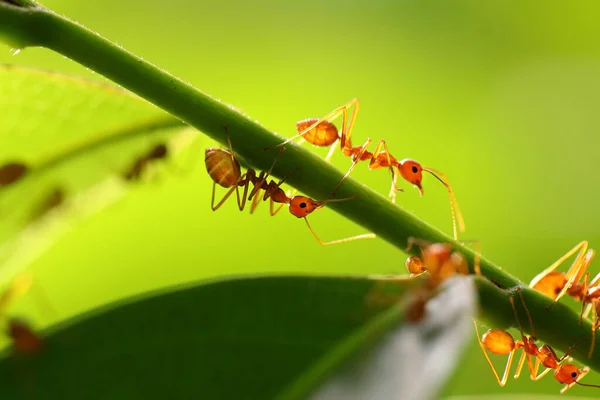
point(322, 132)
point(225, 170)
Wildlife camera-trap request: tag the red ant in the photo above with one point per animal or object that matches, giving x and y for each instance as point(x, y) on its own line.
point(12, 172)
point(555, 284)
point(322, 132)
point(440, 261)
point(498, 341)
point(134, 173)
point(224, 169)
point(25, 340)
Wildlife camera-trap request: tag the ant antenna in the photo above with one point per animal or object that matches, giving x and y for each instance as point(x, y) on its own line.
point(322, 203)
point(587, 384)
point(456, 214)
point(533, 334)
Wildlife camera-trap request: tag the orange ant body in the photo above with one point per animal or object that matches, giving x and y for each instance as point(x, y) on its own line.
point(500, 342)
point(25, 340)
point(134, 173)
point(225, 170)
point(322, 132)
point(439, 259)
point(12, 172)
point(555, 284)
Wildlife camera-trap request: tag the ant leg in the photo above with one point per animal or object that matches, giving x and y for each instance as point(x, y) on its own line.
point(330, 152)
point(533, 370)
point(581, 247)
point(502, 381)
point(272, 187)
point(595, 326)
point(274, 211)
point(265, 176)
point(355, 161)
point(223, 200)
point(595, 282)
point(245, 182)
point(332, 115)
point(543, 373)
point(231, 190)
point(411, 241)
point(584, 294)
point(477, 258)
point(533, 335)
point(389, 158)
point(348, 239)
point(394, 189)
point(255, 203)
point(347, 129)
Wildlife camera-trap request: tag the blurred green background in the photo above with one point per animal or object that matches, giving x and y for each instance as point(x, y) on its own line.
point(502, 96)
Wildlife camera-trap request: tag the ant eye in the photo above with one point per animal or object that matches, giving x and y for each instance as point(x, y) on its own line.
point(302, 205)
point(415, 169)
point(574, 374)
point(557, 290)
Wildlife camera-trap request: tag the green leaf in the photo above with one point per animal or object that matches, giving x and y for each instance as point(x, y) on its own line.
point(428, 350)
point(235, 339)
point(75, 137)
point(528, 396)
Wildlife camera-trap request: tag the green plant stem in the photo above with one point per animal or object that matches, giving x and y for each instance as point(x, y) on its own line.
point(24, 24)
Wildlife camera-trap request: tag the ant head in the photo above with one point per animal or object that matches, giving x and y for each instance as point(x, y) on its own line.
point(412, 172)
point(415, 266)
point(497, 341)
point(551, 284)
point(567, 373)
point(159, 151)
point(301, 206)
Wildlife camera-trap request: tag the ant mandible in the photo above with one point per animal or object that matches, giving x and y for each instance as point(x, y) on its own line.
point(555, 284)
point(322, 132)
point(225, 170)
point(501, 342)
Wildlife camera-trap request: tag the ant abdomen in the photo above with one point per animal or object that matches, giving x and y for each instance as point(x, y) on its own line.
point(222, 167)
point(498, 341)
point(324, 134)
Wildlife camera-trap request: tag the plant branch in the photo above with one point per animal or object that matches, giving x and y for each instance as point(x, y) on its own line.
point(23, 24)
